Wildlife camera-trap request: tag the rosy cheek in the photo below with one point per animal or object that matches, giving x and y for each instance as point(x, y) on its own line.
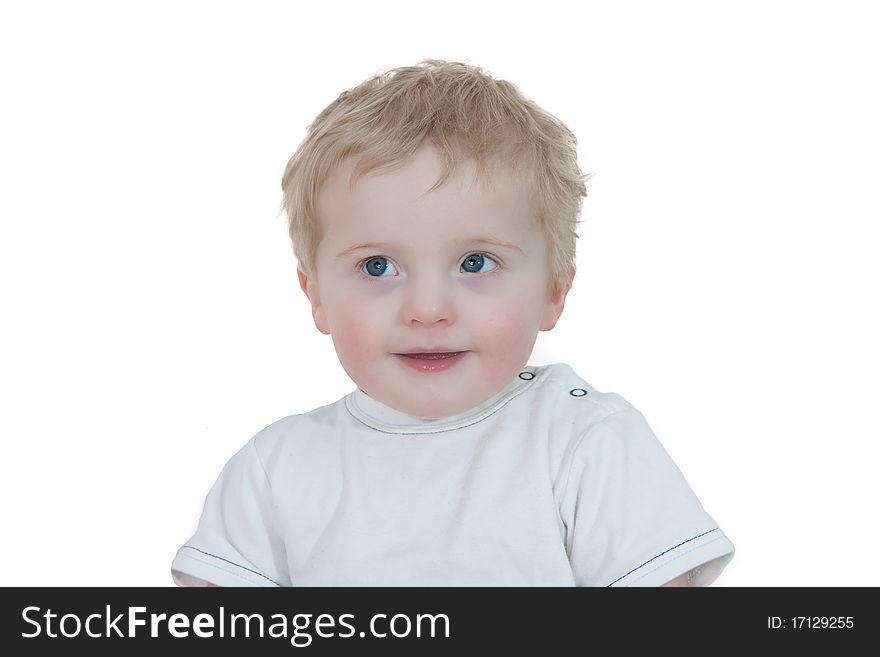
point(356, 330)
point(505, 334)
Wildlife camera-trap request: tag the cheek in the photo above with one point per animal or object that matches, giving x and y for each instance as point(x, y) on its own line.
point(506, 330)
point(355, 328)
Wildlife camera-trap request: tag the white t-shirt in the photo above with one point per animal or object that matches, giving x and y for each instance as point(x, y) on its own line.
point(548, 483)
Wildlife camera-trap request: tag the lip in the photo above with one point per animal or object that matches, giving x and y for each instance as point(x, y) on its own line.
point(438, 363)
point(429, 350)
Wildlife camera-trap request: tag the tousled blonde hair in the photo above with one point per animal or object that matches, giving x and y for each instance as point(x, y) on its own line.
point(467, 115)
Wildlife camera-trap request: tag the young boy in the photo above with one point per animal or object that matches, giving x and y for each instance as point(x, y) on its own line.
point(433, 213)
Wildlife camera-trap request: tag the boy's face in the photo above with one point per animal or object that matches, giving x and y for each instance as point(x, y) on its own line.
point(423, 285)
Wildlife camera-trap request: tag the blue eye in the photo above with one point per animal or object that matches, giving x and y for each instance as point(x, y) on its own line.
point(376, 267)
point(476, 261)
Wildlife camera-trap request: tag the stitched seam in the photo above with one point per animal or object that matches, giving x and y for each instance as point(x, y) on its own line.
point(222, 569)
point(513, 395)
point(276, 510)
point(693, 538)
point(260, 460)
point(674, 559)
point(432, 433)
point(574, 451)
point(563, 387)
point(232, 563)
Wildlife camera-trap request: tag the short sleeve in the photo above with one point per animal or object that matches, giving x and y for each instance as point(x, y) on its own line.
point(237, 542)
point(631, 518)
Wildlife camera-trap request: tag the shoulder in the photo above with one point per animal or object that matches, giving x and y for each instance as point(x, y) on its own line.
point(569, 414)
point(598, 436)
point(573, 400)
point(296, 437)
point(593, 429)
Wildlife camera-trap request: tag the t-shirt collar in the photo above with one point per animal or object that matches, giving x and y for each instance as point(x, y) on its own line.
point(377, 415)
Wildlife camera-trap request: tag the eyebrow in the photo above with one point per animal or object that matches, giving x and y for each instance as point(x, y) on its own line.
point(471, 240)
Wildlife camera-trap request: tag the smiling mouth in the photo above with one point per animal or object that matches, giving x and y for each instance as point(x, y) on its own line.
point(438, 356)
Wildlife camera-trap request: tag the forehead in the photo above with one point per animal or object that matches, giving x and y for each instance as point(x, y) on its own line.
point(397, 203)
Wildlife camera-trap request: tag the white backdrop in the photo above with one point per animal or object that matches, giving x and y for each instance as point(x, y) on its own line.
point(152, 321)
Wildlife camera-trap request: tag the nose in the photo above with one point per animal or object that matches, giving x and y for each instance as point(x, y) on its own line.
point(428, 300)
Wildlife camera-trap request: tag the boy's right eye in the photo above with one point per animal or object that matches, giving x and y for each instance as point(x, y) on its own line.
point(376, 267)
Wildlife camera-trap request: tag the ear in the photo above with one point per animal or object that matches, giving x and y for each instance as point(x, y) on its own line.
point(554, 306)
point(311, 289)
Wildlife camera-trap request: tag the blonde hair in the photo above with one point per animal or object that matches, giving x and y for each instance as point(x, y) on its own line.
point(467, 115)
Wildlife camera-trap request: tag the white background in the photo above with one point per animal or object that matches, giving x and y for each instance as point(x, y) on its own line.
point(152, 321)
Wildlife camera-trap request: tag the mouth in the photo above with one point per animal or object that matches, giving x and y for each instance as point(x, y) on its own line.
point(432, 355)
point(433, 361)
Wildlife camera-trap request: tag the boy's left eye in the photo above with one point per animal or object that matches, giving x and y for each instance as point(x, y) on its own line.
point(474, 263)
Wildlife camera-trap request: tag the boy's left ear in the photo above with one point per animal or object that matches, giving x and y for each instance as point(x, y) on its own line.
point(555, 305)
